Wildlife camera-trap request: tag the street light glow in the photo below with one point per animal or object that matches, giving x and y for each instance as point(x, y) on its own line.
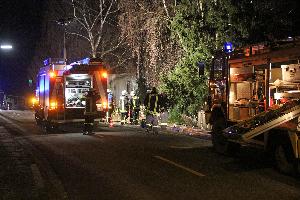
point(6, 46)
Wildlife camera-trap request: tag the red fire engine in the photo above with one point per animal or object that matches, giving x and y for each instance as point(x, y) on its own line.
point(255, 97)
point(61, 89)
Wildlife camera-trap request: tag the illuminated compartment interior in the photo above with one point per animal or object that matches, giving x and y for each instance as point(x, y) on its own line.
point(75, 89)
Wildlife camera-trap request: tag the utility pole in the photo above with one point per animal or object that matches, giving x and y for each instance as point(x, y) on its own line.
point(64, 23)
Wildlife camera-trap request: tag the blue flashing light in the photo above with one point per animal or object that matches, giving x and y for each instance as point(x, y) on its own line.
point(85, 61)
point(228, 47)
point(47, 61)
point(67, 67)
point(56, 61)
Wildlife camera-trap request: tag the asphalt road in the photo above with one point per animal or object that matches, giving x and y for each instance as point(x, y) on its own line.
point(126, 163)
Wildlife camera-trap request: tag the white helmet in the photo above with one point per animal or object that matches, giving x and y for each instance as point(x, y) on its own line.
point(108, 90)
point(132, 93)
point(124, 92)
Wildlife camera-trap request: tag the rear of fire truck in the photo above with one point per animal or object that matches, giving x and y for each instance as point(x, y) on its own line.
point(256, 92)
point(61, 90)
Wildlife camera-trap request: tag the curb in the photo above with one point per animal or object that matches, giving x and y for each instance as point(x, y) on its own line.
point(175, 130)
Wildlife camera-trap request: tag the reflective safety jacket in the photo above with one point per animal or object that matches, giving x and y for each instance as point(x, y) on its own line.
point(123, 104)
point(152, 103)
point(135, 103)
point(90, 105)
point(110, 100)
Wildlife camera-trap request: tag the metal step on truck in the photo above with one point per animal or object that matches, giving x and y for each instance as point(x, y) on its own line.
point(60, 91)
point(255, 101)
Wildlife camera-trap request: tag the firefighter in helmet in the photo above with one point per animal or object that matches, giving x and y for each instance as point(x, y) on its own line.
point(152, 103)
point(134, 104)
point(110, 104)
point(90, 112)
point(123, 106)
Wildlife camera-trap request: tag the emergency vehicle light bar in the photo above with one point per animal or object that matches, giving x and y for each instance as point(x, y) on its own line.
point(49, 61)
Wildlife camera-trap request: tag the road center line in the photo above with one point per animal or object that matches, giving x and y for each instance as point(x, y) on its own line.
point(180, 147)
point(179, 166)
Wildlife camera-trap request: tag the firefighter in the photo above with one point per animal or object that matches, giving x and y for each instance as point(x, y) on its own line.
point(164, 113)
point(152, 103)
point(134, 108)
point(110, 104)
point(90, 112)
point(123, 106)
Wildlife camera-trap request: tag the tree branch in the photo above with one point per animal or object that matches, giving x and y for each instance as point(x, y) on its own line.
point(78, 34)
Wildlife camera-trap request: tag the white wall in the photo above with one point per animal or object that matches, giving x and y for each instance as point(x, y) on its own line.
point(119, 82)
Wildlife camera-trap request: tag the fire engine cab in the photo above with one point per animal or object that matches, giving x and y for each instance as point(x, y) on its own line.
point(61, 90)
point(255, 100)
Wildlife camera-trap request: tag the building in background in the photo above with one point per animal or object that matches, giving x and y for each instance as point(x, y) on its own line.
point(119, 82)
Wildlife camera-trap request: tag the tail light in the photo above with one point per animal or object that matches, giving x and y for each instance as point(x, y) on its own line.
point(52, 74)
point(101, 105)
point(53, 105)
point(104, 104)
point(104, 74)
point(33, 100)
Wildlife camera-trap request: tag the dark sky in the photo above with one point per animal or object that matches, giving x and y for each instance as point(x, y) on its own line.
point(20, 25)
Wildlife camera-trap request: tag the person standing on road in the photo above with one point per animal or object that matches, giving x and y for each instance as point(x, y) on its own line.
point(90, 112)
point(123, 105)
point(152, 103)
point(110, 104)
point(164, 111)
point(134, 108)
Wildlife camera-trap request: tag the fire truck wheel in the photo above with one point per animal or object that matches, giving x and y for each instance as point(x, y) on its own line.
point(220, 144)
point(38, 122)
point(50, 127)
point(284, 159)
point(37, 119)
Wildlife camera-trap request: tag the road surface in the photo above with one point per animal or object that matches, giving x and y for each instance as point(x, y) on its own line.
point(126, 163)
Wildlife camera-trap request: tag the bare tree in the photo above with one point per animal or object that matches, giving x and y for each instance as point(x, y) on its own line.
point(146, 25)
point(92, 20)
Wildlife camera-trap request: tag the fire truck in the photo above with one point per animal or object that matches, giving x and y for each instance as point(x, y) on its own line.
point(61, 89)
point(255, 101)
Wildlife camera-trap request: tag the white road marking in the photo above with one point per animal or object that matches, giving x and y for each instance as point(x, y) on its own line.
point(181, 147)
point(179, 166)
point(99, 136)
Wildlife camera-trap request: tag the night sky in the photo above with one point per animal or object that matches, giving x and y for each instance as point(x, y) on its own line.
point(20, 25)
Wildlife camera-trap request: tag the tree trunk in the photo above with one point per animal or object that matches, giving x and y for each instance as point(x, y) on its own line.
point(94, 52)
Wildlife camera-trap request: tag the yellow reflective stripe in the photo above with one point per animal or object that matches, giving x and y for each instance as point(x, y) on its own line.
point(155, 105)
point(134, 103)
point(149, 101)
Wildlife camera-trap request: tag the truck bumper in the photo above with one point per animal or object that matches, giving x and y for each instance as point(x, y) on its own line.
point(74, 121)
